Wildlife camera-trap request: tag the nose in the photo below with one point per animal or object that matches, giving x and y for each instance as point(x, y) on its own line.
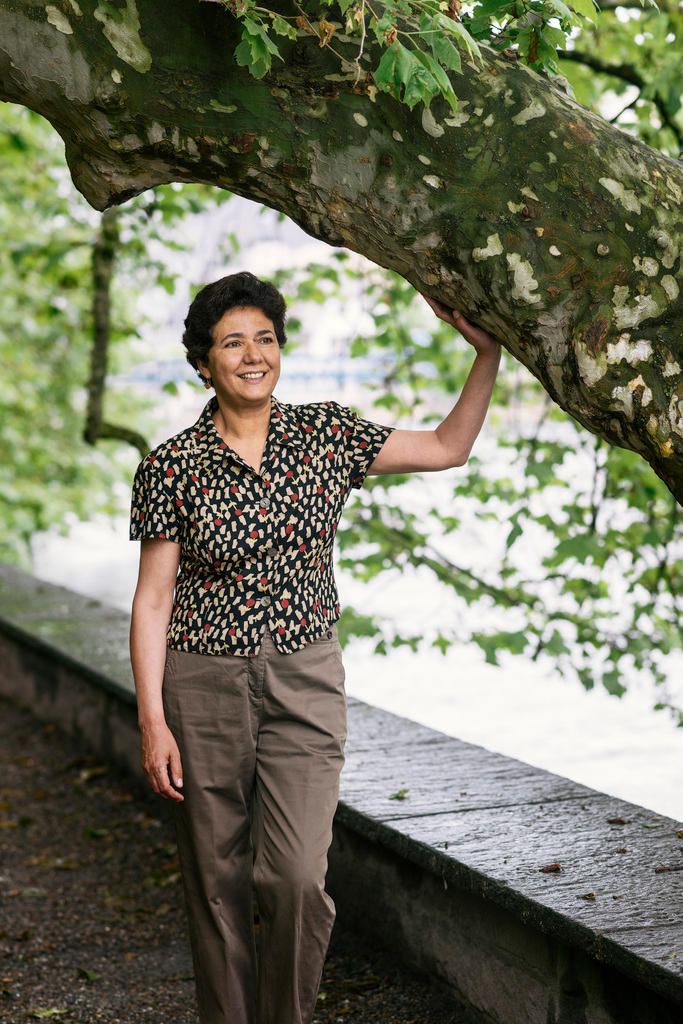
point(252, 353)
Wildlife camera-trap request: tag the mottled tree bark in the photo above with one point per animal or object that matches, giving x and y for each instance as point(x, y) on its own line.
point(542, 222)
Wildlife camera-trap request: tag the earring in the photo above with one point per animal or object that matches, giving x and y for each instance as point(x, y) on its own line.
point(208, 383)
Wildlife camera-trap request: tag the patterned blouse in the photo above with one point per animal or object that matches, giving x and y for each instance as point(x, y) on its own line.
point(255, 548)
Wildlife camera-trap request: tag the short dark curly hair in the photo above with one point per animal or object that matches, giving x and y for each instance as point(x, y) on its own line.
point(213, 300)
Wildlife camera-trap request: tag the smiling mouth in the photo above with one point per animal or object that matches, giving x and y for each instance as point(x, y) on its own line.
point(252, 376)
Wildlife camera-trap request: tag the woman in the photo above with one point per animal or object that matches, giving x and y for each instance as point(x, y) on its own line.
point(237, 666)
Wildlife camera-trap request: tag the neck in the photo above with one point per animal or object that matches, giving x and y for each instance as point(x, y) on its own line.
point(242, 424)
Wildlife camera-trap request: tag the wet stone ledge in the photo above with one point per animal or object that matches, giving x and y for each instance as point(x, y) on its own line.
point(450, 877)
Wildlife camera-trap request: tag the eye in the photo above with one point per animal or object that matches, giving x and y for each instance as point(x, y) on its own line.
point(267, 339)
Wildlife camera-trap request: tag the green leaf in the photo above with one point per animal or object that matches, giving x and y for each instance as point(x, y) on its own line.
point(513, 534)
point(282, 27)
point(401, 73)
point(256, 49)
point(445, 52)
point(384, 24)
point(586, 8)
point(353, 624)
point(89, 975)
point(583, 547)
point(97, 833)
point(555, 645)
point(463, 37)
point(442, 643)
point(393, 67)
point(562, 10)
point(613, 683)
point(253, 54)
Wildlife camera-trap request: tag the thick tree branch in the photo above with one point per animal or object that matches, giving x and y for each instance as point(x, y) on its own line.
point(627, 73)
point(538, 219)
point(115, 432)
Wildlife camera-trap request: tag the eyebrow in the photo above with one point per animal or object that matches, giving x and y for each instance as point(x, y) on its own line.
point(241, 334)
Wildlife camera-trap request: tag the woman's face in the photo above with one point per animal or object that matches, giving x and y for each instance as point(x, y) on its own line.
point(244, 360)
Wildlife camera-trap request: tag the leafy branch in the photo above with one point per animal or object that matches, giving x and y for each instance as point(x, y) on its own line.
point(420, 43)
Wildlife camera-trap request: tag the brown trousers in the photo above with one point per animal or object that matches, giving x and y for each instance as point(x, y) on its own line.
point(262, 745)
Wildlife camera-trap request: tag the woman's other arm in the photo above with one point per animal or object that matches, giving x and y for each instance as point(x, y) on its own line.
point(411, 451)
point(152, 606)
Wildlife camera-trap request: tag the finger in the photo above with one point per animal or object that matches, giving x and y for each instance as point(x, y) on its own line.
point(164, 787)
point(437, 306)
point(443, 312)
point(150, 775)
point(176, 769)
point(161, 780)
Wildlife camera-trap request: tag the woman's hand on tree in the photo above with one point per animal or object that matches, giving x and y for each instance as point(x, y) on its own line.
point(161, 761)
point(482, 343)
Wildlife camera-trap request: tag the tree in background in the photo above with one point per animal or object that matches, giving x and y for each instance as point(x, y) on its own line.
point(633, 51)
point(63, 327)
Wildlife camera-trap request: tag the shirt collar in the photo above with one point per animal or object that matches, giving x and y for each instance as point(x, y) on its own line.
point(284, 426)
point(284, 429)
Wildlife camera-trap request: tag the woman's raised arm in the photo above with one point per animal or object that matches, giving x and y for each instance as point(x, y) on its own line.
point(449, 444)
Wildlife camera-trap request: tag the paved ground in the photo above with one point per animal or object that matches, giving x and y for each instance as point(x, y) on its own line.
point(92, 929)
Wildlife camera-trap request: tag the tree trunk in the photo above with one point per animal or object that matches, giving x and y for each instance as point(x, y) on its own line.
point(103, 257)
point(543, 223)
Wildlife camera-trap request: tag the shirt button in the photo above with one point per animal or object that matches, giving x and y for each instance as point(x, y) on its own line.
point(264, 503)
point(265, 600)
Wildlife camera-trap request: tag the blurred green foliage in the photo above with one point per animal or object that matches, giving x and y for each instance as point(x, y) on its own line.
point(48, 473)
point(634, 54)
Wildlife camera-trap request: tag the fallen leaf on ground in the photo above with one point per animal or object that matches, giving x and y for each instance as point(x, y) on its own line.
point(362, 985)
point(97, 833)
point(58, 863)
point(85, 972)
point(552, 867)
point(86, 774)
point(47, 1012)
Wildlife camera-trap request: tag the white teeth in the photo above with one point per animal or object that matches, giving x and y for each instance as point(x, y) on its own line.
point(252, 376)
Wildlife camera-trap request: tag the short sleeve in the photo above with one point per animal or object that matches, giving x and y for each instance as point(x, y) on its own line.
point(363, 444)
point(153, 511)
